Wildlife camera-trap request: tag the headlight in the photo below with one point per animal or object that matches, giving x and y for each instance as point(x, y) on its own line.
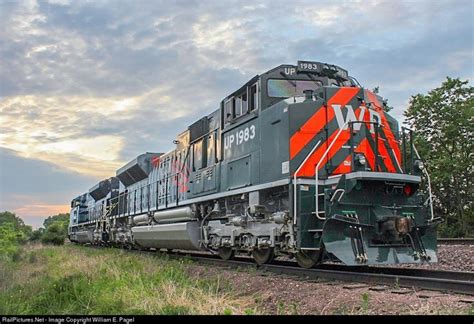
point(419, 165)
point(361, 159)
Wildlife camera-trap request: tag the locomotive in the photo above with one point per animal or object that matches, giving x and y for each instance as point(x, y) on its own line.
point(301, 161)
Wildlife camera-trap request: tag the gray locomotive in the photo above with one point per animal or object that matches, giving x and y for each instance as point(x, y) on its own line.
point(301, 161)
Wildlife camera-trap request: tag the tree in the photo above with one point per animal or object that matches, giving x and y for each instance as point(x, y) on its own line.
point(8, 240)
point(22, 231)
point(17, 222)
point(54, 234)
point(62, 218)
point(444, 128)
point(55, 229)
point(37, 234)
point(13, 232)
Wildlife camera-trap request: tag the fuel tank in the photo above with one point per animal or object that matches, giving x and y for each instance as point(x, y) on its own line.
point(170, 236)
point(84, 237)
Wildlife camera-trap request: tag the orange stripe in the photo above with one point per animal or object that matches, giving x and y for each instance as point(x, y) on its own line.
point(365, 148)
point(385, 156)
point(308, 169)
point(343, 168)
point(317, 121)
point(391, 141)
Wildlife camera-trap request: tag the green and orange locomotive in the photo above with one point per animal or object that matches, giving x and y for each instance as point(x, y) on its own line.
point(301, 161)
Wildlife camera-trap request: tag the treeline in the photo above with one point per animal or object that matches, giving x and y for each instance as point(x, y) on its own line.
point(443, 121)
point(14, 233)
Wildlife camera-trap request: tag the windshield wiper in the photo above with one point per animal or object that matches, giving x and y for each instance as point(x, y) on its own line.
point(289, 80)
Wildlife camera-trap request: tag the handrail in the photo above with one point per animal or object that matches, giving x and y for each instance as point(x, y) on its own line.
point(317, 168)
point(294, 179)
point(429, 183)
point(335, 193)
point(326, 153)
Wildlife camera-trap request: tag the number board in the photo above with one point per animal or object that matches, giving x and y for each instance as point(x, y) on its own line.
point(306, 66)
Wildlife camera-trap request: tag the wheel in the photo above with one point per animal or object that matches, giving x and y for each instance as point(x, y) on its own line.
point(262, 256)
point(307, 259)
point(226, 253)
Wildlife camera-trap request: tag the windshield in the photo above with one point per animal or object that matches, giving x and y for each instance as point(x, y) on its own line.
point(290, 88)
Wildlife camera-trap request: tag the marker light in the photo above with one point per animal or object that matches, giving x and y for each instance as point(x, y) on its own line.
point(361, 159)
point(407, 190)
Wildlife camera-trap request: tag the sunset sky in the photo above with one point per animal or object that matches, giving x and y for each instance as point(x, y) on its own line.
point(85, 86)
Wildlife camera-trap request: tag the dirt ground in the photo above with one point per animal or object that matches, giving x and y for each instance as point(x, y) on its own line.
point(452, 257)
point(274, 294)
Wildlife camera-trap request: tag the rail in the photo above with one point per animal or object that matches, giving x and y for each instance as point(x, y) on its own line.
point(458, 240)
point(450, 281)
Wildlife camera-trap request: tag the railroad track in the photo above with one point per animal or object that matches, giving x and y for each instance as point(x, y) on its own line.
point(446, 281)
point(463, 241)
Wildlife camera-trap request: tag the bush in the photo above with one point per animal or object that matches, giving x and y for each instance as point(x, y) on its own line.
point(54, 231)
point(54, 234)
point(9, 240)
point(450, 230)
point(36, 234)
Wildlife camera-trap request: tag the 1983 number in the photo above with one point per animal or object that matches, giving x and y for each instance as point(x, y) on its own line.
point(239, 137)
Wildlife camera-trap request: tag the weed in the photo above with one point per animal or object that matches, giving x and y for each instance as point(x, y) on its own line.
point(249, 311)
point(341, 310)
point(174, 310)
point(294, 308)
point(397, 284)
point(227, 311)
point(365, 302)
point(280, 308)
point(32, 258)
point(17, 255)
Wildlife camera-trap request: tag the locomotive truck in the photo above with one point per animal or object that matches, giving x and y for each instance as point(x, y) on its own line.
point(300, 161)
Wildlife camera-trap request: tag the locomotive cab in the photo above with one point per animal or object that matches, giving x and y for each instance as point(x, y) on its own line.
point(356, 176)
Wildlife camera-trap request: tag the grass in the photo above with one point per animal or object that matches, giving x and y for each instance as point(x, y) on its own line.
point(365, 303)
point(71, 279)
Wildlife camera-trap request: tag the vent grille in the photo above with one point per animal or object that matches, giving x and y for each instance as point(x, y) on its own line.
point(197, 177)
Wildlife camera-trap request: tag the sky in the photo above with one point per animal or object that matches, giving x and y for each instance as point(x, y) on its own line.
point(85, 86)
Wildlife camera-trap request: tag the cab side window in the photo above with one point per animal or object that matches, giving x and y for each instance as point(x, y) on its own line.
point(241, 104)
point(197, 155)
point(211, 153)
point(238, 106)
point(228, 110)
point(253, 97)
point(245, 107)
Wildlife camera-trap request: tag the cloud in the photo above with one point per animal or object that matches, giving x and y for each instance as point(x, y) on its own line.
point(60, 130)
point(34, 188)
